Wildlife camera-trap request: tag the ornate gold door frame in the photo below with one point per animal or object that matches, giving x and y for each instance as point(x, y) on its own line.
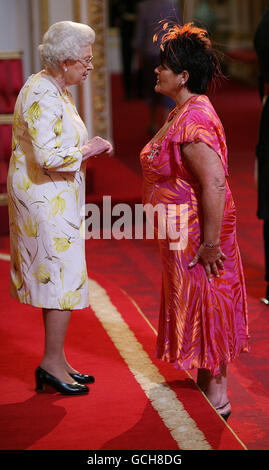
point(101, 111)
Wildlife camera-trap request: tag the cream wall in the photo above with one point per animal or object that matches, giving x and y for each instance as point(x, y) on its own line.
point(14, 30)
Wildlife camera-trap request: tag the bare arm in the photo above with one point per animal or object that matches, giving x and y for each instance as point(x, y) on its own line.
point(206, 166)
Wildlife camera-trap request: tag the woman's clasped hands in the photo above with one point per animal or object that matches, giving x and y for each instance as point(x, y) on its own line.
point(96, 147)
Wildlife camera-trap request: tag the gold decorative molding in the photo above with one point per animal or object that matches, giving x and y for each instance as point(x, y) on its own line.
point(31, 34)
point(77, 19)
point(6, 118)
point(3, 199)
point(76, 11)
point(44, 16)
point(4, 55)
point(100, 96)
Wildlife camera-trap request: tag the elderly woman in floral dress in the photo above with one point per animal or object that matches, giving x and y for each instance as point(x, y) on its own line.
point(46, 189)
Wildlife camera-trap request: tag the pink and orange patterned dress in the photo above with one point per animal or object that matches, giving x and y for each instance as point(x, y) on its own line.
point(202, 324)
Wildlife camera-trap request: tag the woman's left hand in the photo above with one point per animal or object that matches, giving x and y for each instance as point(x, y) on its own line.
point(211, 258)
point(96, 147)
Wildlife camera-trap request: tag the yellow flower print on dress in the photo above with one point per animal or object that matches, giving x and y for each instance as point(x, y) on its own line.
point(13, 218)
point(42, 275)
point(25, 184)
point(58, 144)
point(26, 297)
point(58, 127)
point(69, 300)
point(34, 132)
point(62, 276)
point(74, 189)
point(57, 205)
point(13, 143)
point(31, 227)
point(16, 120)
point(16, 273)
point(77, 143)
point(17, 152)
point(61, 244)
point(83, 278)
point(33, 112)
point(69, 161)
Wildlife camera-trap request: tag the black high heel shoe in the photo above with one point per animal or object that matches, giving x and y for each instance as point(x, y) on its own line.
point(83, 378)
point(223, 415)
point(44, 378)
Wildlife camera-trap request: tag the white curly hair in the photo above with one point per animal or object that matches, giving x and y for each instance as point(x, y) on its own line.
point(63, 41)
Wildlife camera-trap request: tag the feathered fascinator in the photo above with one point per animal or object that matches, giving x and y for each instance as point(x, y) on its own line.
point(189, 47)
point(169, 32)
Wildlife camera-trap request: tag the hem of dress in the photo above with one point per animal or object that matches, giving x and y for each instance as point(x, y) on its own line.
point(214, 369)
point(50, 307)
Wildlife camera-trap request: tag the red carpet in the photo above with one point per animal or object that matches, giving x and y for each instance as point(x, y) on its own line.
point(136, 402)
point(110, 176)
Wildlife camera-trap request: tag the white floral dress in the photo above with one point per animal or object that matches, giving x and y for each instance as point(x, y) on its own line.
point(46, 191)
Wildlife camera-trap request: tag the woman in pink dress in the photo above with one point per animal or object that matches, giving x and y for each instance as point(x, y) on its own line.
point(203, 313)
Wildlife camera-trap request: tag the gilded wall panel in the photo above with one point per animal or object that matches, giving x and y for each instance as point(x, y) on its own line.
point(100, 87)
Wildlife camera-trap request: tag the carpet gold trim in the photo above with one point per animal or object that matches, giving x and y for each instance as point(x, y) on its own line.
point(187, 372)
point(190, 376)
point(183, 429)
point(181, 426)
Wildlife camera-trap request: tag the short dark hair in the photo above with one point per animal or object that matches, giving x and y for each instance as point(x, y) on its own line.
point(189, 48)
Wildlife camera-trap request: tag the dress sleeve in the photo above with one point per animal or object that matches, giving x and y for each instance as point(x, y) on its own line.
point(202, 127)
point(43, 112)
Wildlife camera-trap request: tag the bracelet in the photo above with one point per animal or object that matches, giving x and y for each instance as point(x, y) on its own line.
point(211, 245)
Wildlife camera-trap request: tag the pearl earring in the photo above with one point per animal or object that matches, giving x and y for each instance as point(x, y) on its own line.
point(65, 69)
